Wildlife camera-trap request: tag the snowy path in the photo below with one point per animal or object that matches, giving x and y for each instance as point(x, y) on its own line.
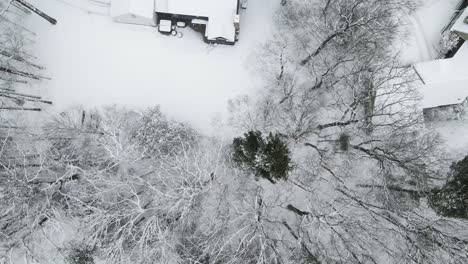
point(94, 61)
point(420, 38)
point(425, 30)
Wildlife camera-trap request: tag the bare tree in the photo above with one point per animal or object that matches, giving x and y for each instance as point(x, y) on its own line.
point(17, 66)
point(337, 91)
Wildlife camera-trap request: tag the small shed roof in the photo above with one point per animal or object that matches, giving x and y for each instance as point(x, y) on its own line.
point(440, 94)
point(460, 25)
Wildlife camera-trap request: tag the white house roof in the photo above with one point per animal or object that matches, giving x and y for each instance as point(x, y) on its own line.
point(220, 14)
point(445, 70)
point(460, 25)
point(441, 94)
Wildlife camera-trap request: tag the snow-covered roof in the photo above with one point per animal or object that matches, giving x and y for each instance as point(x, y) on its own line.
point(461, 25)
point(440, 94)
point(220, 14)
point(446, 80)
point(445, 70)
point(165, 25)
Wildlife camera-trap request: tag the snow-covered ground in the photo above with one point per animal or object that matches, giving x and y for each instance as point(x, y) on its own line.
point(455, 135)
point(94, 61)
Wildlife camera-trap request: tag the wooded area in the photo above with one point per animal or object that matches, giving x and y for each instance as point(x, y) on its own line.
point(332, 162)
point(18, 71)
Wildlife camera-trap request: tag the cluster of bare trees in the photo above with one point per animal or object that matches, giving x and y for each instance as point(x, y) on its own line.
point(364, 161)
point(18, 69)
point(132, 205)
point(145, 189)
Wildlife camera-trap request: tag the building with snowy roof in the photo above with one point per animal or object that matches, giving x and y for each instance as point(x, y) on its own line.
point(445, 70)
point(444, 101)
point(445, 87)
point(140, 12)
point(218, 20)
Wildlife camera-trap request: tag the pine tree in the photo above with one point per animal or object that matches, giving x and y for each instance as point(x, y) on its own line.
point(267, 158)
point(452, 199)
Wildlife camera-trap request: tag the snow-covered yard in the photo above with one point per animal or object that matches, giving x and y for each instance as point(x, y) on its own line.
point(94, 61)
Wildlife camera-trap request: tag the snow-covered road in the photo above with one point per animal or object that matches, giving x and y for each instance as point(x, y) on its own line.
point(94, 61)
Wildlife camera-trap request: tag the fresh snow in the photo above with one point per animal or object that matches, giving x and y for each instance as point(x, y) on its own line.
point(442, 94)
point(139, 12)
point(454, 133)
point(460, 25)
point(94, 61)
point(445, 80)
point(426, 28)
point(445, 70)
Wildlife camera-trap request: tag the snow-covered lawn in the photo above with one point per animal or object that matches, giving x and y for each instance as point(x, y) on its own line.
point(94, 61)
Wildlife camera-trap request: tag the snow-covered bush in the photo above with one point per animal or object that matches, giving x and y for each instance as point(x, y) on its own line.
point(80, 255)
point(448, 41)
point(157, 134)
point(265, 157)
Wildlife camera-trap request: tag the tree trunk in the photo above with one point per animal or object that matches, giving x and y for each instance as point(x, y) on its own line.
point(21, 108)
point(25, 98)
point(19, 59)
point(37, 11)
point(20, 94)
point(21, 73)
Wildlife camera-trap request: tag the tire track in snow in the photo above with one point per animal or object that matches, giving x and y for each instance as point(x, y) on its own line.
point(96, 7)
point(422, 42)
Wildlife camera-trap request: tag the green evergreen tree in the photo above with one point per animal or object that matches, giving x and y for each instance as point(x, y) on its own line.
point(452, 199)
point(267, 158)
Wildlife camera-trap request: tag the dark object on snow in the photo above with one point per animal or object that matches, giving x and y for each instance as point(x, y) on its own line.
point(80, 256)
point(267, 158)
point(297, 211)
point(344, 142)
point(452, 199)
point(37, 11)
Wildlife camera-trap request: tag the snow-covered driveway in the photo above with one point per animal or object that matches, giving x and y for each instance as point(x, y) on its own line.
point(94, 61)
point(425, 26)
